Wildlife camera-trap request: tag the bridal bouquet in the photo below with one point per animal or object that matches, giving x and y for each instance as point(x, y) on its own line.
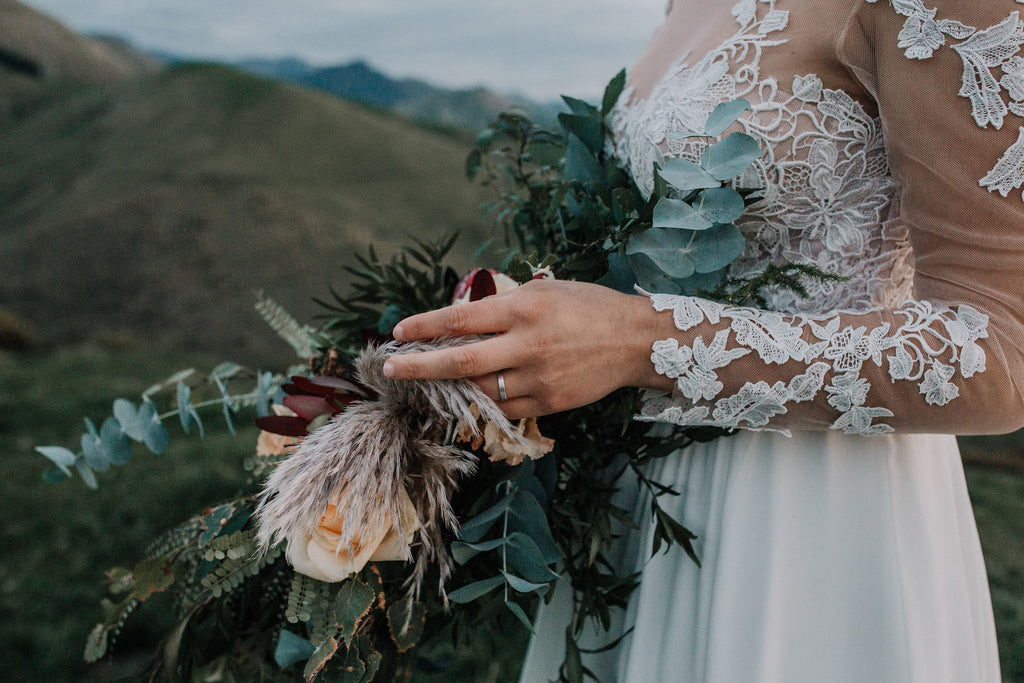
point(382, 518)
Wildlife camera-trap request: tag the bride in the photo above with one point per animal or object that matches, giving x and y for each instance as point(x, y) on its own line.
point(835, 532)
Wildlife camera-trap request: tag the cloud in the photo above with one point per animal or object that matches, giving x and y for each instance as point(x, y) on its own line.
point(539, 47)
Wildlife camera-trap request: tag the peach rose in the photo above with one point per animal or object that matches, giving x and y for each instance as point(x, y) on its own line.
point(318, 555)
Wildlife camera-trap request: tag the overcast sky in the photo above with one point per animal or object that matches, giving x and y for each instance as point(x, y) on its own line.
point(538, 47)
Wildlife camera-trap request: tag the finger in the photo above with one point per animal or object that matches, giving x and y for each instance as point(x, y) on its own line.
point(486, 316)
point(515, 385)
point(468, 360)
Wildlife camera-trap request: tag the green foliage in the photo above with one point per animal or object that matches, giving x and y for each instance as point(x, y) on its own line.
point(415, 279)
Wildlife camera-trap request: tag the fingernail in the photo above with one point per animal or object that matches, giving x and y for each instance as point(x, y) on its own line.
point(397, 332)
point(389, 369)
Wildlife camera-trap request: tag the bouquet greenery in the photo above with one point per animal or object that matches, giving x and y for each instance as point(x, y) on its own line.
point(527, 510)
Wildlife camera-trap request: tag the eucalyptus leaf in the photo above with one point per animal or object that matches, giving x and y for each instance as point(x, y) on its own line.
point(463, 552)
point(184, 396)
point(685, 175)
point(54, 475)
point(670, 250)
point(716, 248)
point(87, 475)
point(225, 403)
point(527, 516)
point(526, 558)
point(59, 456)
point(520, 615)
point(95, 453)
point(118, 447)
point(650, 278)
point(727, 159)
point(724, 116)
point(475, 590)
point(522, 585)
point(719, 205)
point(675, 213)
point(475, 528)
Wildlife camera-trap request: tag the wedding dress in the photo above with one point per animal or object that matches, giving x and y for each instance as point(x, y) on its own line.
point(835, 531)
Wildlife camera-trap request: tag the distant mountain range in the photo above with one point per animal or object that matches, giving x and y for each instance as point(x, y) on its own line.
point(152, 200)
point(472, 108)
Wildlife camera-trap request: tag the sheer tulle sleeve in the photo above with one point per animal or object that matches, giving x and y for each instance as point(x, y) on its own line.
point(950, 94)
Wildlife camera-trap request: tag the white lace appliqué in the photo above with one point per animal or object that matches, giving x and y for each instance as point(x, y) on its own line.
point(927, 347)
point(982, 51)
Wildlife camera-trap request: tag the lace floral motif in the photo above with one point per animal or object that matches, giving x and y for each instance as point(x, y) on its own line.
point(926, 348)
point(828, 200)
point(982, 51)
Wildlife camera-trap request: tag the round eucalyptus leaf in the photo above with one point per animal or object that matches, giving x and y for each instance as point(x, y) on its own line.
point(59, 456)
point(724, 116)
point(675, 213)
point(720, 205)
point(685, 175)
point(670, 250)
point(650, 278)
point(94, 453)
point(727, 159)
point(716, 248)
point(118, 448)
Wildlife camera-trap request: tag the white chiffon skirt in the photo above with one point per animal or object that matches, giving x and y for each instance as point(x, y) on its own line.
point(826, 558)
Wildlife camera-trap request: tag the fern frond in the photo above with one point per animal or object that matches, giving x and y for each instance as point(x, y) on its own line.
point(300, 337)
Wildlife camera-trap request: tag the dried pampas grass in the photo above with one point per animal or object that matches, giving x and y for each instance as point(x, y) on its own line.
point(365, 457)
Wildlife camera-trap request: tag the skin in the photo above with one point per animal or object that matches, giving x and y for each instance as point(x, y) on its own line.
point(560, 344)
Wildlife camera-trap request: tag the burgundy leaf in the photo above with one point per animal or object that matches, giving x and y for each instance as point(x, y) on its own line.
point(483, 285)
point(311, 388)
point(308, 407)
point(283, 425)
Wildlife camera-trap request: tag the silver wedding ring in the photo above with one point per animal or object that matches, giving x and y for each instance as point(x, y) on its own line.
point(501, 387)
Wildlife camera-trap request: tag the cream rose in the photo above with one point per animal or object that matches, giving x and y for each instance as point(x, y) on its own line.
point(318, 556)
point(269, 444)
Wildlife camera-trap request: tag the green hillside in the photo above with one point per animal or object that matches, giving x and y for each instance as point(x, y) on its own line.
point(154, 206)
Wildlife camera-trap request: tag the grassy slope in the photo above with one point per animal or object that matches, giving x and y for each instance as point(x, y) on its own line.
point(58, 540)
point(138, 205)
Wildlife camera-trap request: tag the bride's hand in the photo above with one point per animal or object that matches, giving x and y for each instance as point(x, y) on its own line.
point(558, 344)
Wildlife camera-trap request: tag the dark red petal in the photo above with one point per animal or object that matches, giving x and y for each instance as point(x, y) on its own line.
point(308, 407)
point(283, 425)
point(483, 285)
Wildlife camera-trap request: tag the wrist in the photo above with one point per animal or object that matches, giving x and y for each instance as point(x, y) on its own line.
point(643, 327)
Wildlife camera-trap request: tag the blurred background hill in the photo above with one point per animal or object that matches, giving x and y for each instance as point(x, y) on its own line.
point(150, 201)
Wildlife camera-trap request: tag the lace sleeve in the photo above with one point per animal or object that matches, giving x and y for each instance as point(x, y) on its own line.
point(951, 359)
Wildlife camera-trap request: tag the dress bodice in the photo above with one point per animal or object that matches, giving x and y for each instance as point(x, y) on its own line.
point(828, 195)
